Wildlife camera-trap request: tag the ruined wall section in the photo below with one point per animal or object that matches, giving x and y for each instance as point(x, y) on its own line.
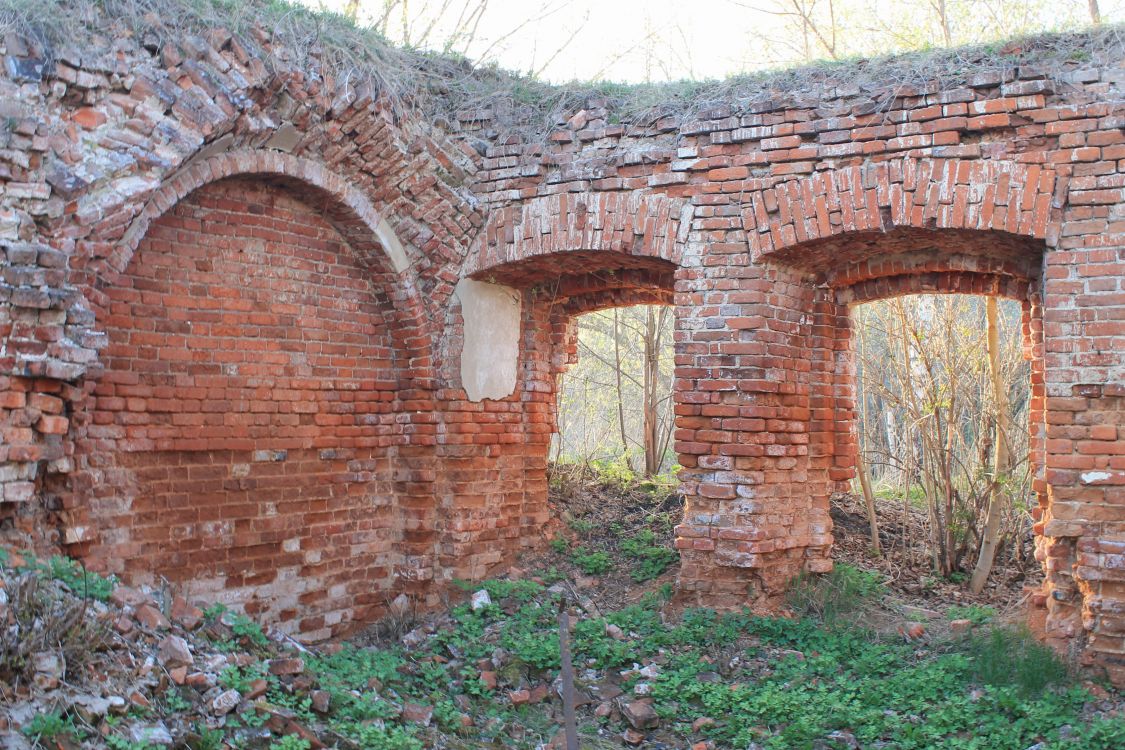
point(96, 145)
point(796, 204)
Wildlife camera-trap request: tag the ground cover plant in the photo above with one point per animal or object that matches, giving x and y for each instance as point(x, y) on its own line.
point(843, 670)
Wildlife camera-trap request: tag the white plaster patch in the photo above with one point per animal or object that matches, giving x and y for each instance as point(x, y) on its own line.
point(1089, 477)
point(389, 240)
point(490, 349)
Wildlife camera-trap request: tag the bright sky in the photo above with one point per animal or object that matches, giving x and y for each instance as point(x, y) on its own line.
point(638, 40)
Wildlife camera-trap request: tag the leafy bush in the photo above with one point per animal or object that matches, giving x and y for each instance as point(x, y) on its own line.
point(53, 725)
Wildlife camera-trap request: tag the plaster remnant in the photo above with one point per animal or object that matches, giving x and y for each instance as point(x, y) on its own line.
point(490, 347)
point(393, 248)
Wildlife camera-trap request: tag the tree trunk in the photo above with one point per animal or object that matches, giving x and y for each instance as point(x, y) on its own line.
point(620, 393)
point(997, 497)
point(650, 412)
point(1095, 12)
point(860, 463)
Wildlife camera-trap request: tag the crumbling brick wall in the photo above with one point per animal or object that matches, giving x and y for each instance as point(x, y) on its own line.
point(230, 343)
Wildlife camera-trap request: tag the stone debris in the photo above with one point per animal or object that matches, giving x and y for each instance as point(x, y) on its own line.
point(480, 600)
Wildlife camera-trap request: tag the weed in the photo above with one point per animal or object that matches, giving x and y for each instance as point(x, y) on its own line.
point(290, 742)
point(651, 559)
point(592, 563)
point(975, 613)
point(581, 526)
point(560, 545)
point(1005, 656)
point(831, 597)
point(51, 726)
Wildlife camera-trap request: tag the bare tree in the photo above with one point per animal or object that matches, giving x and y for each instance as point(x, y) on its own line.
point(997, 497)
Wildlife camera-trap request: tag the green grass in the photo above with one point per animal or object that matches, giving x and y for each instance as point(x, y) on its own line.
point(977, 614)
point(834, 597)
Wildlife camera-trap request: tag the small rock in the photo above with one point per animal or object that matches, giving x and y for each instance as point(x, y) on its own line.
point(799, 656)
point(48, 663)
point(150, 734)
point(123, 596)
point(615, 632)
point(705, 745)
point(93, 707)
point(201, 681)
point(844, 736)
point(123, 625)
point(489, 680)
point(173, 651)
point(961, 626)
point(321, 701)
point(414, 638)
point(287, 666)
point(650, 671)
point(632, 737)
point(539, 693)
point(152, 618)
point(258, 688)
point(178, 675)
point(188, 616)
point(1097, 691)
point(519, 697)
point(702, 723)
point(604, 709)
point(138, 699)
point(417, 713)
point(639, 714)
point(642, 688)
point(480, 600)
point(400, 607)
point(225, 702)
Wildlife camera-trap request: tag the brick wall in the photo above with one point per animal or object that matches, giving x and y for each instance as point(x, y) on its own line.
point(243, 436)
point(283, 350)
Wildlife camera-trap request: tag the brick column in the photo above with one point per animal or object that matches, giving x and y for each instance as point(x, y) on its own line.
point(1084, 329)
point(755, 419)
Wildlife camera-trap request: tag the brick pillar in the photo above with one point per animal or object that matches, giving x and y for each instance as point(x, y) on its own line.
point(755, 419)
point(1083, 527)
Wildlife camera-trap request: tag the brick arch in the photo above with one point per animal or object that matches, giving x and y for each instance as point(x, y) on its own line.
point(631, 225)
point(935, 282)
point(368, 234)
point(785, 221)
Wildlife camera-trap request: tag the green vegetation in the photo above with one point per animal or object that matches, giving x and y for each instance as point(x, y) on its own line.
point(975, 613)
point(70, 573)
point(51, 726)
point(779, 683)
point(834, 597)
point(592, 563)
point(651, 559)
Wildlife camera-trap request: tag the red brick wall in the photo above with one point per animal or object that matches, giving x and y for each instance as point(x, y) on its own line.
point(245, 424)
point(769, 213)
